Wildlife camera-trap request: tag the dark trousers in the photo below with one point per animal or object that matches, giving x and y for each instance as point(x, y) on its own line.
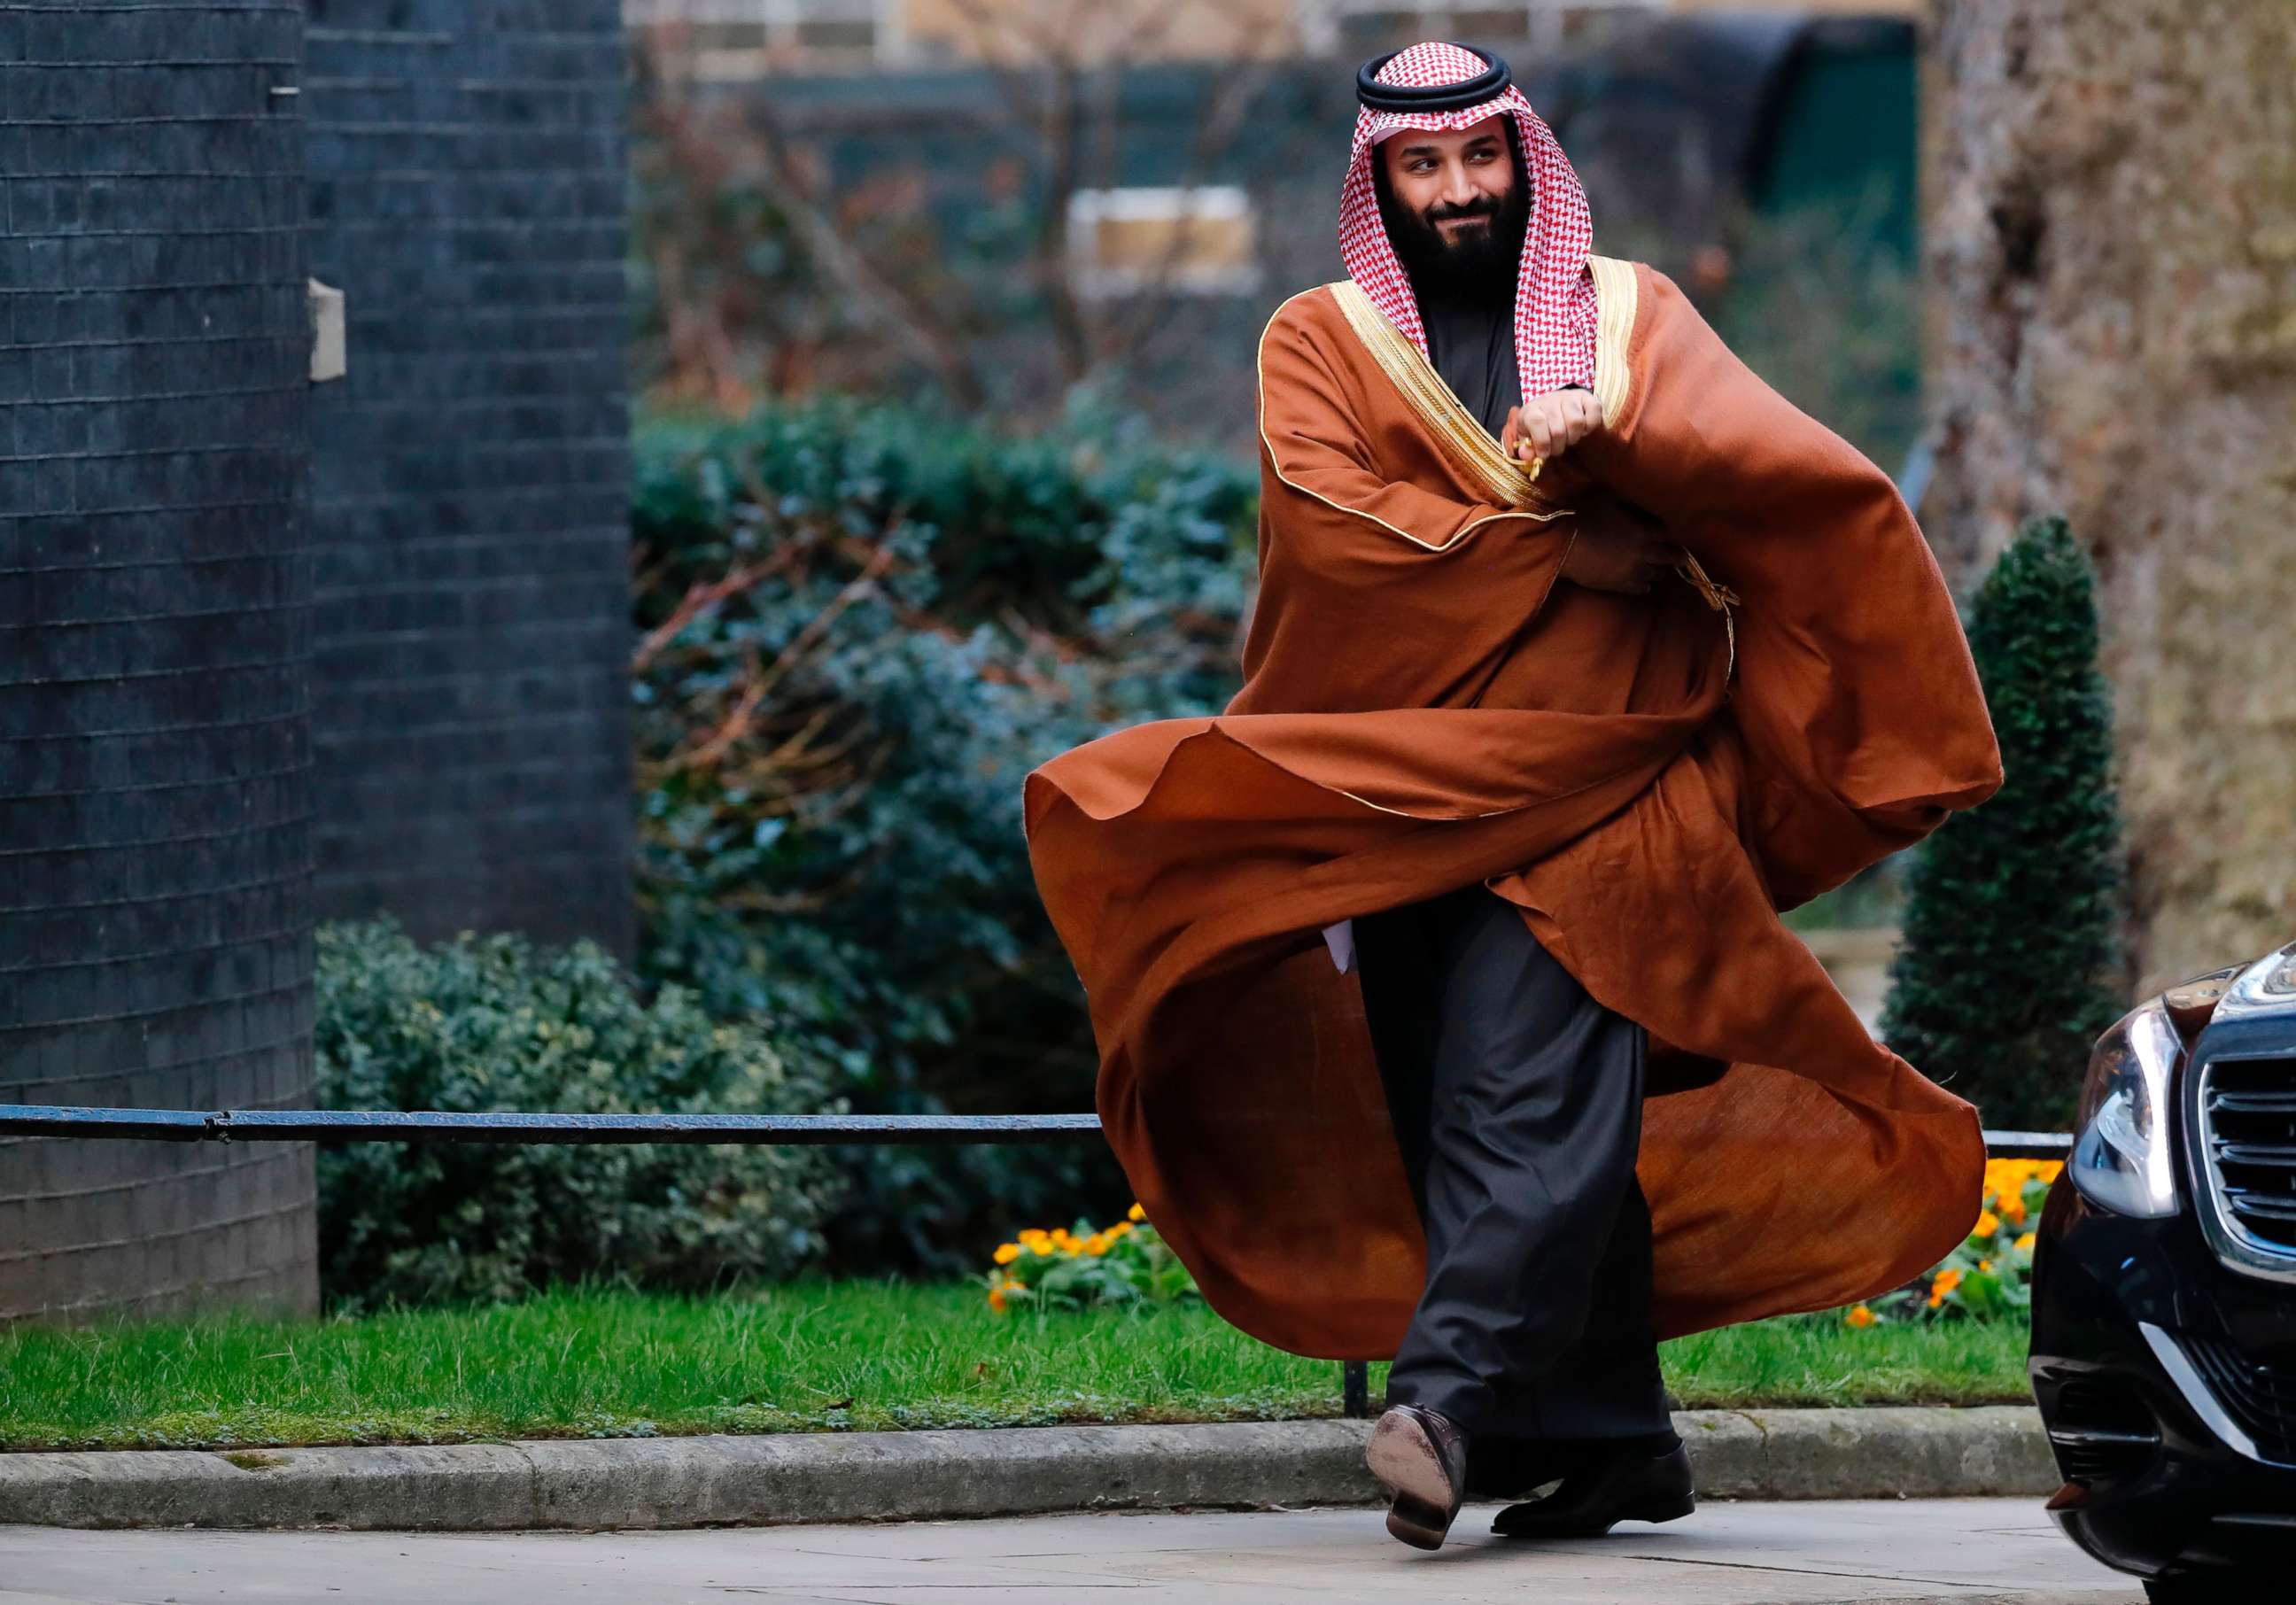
point(1517, 1102)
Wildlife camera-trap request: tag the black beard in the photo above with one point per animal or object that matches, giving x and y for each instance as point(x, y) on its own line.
point(1483, 261)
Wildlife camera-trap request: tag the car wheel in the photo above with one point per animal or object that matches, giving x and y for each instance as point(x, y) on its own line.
point(2208, 1587)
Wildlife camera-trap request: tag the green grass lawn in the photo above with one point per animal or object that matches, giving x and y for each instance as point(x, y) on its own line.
point(819, 1356)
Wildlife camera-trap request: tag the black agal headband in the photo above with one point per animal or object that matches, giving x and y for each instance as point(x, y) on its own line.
point(1436, 97)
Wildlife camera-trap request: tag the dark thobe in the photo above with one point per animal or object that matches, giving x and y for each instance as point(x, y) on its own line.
point(1517, 1104)
point(1471, 342)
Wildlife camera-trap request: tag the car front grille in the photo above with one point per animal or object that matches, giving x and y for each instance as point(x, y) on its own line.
point(2260, 1397)
point(2247, 1129)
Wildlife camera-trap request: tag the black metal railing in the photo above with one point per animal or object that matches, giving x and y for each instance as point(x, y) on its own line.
point(427, 1125)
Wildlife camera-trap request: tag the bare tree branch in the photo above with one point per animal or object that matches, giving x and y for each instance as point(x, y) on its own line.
point(1227, 102)
point(881, 300)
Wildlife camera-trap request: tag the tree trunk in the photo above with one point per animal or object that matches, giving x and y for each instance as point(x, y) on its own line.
point(2113, 224)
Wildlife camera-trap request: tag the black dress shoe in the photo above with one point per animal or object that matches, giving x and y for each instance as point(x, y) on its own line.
point(1503, 1467)
point(1420, 1457)
point(1636, 1484)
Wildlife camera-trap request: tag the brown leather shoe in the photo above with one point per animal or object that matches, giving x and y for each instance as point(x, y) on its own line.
point(1420, 1457)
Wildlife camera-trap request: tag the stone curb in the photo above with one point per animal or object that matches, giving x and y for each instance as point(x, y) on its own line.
point(1864, 1454)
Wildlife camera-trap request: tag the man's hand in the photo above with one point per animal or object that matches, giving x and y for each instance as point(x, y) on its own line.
point(1619, 548)
point(1547, 425)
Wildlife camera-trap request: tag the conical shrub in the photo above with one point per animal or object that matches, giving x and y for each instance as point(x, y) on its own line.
point(2011, 963)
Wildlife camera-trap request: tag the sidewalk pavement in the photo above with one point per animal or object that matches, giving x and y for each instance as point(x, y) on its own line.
point(1972, 1551)
point(821, 1476)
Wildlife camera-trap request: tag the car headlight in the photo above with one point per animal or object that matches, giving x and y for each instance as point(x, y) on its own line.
point(2120, 1159)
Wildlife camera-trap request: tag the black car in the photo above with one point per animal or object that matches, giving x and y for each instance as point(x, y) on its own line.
point(2164, 1354)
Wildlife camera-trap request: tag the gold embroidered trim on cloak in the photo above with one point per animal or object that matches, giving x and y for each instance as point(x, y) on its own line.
point(1503, 480)
point(1259, 368)
point(1506, 481)
point(1616, 297)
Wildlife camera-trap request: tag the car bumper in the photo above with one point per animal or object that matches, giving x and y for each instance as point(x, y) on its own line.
point(2131, 1320)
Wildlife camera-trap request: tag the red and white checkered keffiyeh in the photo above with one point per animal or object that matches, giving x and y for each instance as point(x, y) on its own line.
point(1554, 294)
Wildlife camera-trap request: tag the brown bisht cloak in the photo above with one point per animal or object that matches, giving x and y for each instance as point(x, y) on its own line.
point(1648, 778)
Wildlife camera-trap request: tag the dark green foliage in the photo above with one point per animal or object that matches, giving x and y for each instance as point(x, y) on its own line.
point(862, 628)
point(2012, 961)
point(499, 1024)
point(1823, 306)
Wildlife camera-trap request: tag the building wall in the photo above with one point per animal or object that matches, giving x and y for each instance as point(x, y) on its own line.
point(749, 38)
point(154, 646)
point(1167, 30)
point(471, 478)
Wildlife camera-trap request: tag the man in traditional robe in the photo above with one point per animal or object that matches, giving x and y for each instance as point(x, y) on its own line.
point(1444, 1009)
point(1515, 1095)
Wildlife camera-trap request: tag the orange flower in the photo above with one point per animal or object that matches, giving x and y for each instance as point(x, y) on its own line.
point(1136, 1214)
point(2026, 1242)
point(997, 1300)
point(1006, 1253)
point(1096, 1244)
point(1947, 1280)
point(1860, 1316)
point(1987, 1224)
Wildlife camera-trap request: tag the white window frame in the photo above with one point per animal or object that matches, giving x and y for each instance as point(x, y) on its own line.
point(1211, 202)
point(780, 23)
point(1319, 21)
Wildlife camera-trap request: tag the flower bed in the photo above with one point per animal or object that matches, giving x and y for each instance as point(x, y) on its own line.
point(1069, 1268)
point(1990, 1274)
point(1988, 1277)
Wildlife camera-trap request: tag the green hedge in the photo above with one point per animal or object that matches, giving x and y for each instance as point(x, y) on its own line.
point(861, 628)
point(496, 1023)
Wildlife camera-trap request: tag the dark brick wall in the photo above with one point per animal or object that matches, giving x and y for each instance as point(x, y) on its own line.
point(470, 474)
point(154, 646)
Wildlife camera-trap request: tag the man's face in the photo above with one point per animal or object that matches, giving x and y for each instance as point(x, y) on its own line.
point(1452, 204)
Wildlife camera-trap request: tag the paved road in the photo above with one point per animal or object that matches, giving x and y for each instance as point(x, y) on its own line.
point(1975, 1551)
